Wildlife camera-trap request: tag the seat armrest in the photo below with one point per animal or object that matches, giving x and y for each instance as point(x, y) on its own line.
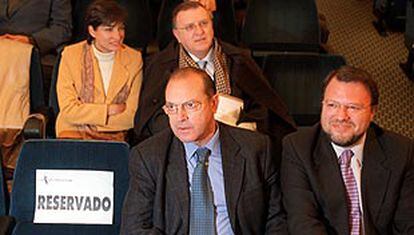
point(35, 126)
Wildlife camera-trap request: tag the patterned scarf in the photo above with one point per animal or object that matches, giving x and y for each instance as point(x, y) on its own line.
point(87, 75)
point(221, 74)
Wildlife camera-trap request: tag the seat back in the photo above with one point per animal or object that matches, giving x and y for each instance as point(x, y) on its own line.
point(139, 25)
point(280, 25)
point(3, 192)
point(37, 100)
point(409, 25)
point(66, 154)
point(298, 80)
point(53, 102)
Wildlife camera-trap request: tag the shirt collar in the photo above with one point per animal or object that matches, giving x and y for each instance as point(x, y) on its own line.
point(213, 144)
point(208, 57)
point(357, 148)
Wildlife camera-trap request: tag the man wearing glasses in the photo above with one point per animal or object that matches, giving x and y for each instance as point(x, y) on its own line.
point(235, 75)
point(346, 175)
point(201, 176)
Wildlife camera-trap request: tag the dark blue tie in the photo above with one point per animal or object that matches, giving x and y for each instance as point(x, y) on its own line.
point(202, 207)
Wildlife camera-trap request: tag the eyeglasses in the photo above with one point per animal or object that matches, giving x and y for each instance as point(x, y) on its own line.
point(192, 27)
point(190, 106)
point(350, 108)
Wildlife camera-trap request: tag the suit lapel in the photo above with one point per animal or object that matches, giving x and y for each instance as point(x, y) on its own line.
point(178, 179)
point(120, 74)
point(233, 171)
point(375, 176)
point(331, 184)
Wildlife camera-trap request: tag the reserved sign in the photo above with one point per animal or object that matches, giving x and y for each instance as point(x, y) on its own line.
point(74, 196)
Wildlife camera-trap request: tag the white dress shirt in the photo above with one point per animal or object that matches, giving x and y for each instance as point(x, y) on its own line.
point(209, 59)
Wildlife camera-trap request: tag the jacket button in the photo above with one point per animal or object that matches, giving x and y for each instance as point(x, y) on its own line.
point(154, 101)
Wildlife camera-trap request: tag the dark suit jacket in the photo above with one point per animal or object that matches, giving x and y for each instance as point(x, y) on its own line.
point(157, 201)
point(262, 104)
point(314, 193)
point(47, 21)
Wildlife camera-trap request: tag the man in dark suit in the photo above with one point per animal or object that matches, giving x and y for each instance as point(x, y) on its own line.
point(240, 184)
point(347, 175)
point(240, 75)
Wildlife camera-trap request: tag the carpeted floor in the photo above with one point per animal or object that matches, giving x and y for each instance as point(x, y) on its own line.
point(354, 37)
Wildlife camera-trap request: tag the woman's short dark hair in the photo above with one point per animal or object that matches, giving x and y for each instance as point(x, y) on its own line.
point(351, 74)
point(103, 12)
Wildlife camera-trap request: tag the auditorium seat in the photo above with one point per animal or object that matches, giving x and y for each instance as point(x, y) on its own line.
point(298, 80)
point(3, 192)
point(53, 102)
point(391, 15)
point(409, 25)
point(408, 65)
point(6, 222)
point(35, 125)
point(37, 102)
point(69, 155)
point(21, 93)
point(280, 25)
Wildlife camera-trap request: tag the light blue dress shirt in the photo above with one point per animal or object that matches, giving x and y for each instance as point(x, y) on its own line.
point(215, 174)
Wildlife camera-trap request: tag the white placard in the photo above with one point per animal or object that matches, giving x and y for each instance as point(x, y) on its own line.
point(228, 112)
point(74, 197)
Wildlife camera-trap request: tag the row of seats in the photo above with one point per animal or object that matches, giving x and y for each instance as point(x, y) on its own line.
point(288, 24)
point(268, 32)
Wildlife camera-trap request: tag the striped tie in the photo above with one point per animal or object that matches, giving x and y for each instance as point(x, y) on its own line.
point(352, 196)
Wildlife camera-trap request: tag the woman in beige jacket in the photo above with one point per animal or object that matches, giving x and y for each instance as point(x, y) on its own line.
point(99, 79)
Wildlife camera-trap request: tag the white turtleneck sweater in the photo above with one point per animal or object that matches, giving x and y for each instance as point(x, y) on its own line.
point(106, 62)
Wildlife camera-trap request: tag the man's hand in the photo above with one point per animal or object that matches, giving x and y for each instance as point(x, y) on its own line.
point(17, 37)
point(114, 109)
point(210, 5)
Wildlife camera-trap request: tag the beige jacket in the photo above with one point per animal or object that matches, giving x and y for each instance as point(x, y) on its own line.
point(74, 114)
point(14, 83)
